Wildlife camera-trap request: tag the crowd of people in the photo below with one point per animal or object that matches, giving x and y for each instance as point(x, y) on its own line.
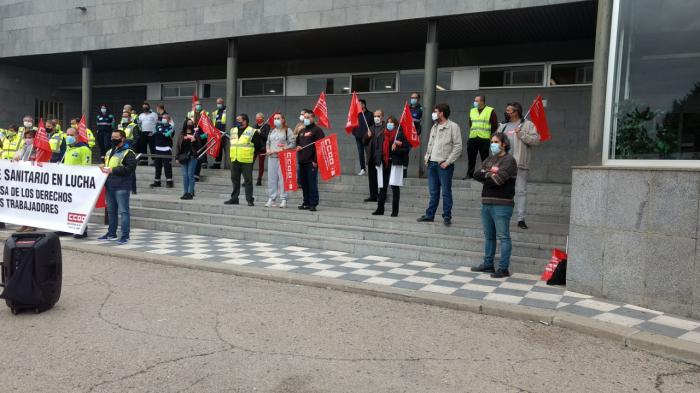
point(382, 148)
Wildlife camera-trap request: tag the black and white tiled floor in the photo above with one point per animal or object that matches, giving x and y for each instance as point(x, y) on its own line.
point(416, 275)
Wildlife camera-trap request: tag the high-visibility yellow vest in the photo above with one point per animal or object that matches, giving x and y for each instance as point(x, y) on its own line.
point(242, 148)
point(77, 155)
point(190, 115)
point(128, 130)
point(55, 140)
point(113, 161)
point(11, 145)
point(215, 114)
point(91, 138)
point(481, 123)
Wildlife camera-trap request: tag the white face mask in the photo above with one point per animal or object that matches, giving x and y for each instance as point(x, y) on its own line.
point(301, 117)
point(377, 120)
point(434, 116)
point(28, 124)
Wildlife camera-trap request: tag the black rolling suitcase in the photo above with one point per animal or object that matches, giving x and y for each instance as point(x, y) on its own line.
point(31, 271)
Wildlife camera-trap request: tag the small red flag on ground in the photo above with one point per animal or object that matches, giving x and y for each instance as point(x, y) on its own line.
point(353, 113)
point(213, 134)
point(41, 144)
point(288, 164)
point(101, 200)
point(82, 131)
point(409, 127)
point(321, 111)
point(539, 118)
point(327, 157)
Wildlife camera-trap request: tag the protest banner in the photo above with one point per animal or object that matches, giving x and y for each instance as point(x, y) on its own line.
point(51, 196)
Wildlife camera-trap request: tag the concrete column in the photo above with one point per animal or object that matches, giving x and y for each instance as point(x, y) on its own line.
point(87, 87)
point(231, 85)
point(600, 80)
point(429, 81)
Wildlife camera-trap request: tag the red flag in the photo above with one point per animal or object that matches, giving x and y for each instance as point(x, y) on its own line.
point(82, 131)
point(327, 157)
point(288, 164)
point(321, 111)
point(101, 200)
point(213, 134)
point(409, 127)
point(353, 113)
point(41, 144)
point(538, 117)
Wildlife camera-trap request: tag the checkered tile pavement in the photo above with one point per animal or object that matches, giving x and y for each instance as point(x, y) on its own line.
point(520, 289)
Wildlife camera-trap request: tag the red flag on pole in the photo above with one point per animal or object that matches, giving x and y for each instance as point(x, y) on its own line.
point(288, 164)
point(538, 117)
point(321, 111)
point(82, 131)
point(409, 127)
point(327, 157)
point(41, 144)
point(353, 113)
point(213, 135)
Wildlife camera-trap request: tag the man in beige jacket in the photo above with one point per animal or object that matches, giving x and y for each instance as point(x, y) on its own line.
point(522, 134)
point(444, 148)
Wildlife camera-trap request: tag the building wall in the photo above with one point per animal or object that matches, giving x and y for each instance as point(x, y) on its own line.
point(24, 31)
point(634, 237)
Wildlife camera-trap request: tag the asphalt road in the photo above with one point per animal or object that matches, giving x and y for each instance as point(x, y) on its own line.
point(124, 326)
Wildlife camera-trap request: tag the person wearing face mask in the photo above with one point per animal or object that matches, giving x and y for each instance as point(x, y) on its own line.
point(444, 148)
point(264, 130)
point(105, 125)
point(308, 166)
point(482, 123)
point(188, 144)
point(26, 153)
point(77, 153)
point(120, 164)
point(160, 110)
point(12, 142)
point(132, 132)
point(27, 124)
point(498, 174)
point(280, 138)
point(147, 122)
point(522, 134)
point(132, 113)
point(74, 124)
point(369, 140)
point(195, 116)
point(245, 144)
point(218, 117)
point(56, 142)
point(163, 140)
point(390, 156)
point(365, 120)
point(416, 110)
point(300, 125)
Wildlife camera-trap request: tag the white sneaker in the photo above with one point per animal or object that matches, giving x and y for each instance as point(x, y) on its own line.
point(362, 172)
point(269, 203)
point(283, 204)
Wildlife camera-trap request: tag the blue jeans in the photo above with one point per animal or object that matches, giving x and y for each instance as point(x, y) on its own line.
point(360, 152)
point(188, 175)
point(440, 180)
point(496, 222)
point(309, 183)
point(118, 202)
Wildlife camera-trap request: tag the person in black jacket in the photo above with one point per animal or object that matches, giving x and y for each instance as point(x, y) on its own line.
point(308, 166)
point(163, 142)
point(390, 152)
point(359, 132)
point(189, 143)
point(376, 128)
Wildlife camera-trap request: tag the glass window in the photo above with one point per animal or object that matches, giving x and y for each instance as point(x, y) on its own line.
point(214, 90)
point(374, 82)
point(178, 90)
point(655, 102)
point(262, 87)
point(511, 76)
point(571, 74)
point(414, 81)
point(330, 85)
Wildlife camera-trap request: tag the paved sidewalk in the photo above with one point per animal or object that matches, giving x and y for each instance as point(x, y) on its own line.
point(520, 289)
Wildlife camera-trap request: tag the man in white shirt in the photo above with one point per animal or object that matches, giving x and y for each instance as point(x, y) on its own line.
point(147, 124)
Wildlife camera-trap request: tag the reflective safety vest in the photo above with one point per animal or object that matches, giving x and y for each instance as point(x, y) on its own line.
point(114, 161)
point(91, 138)
point(242, 148)
point(481, 123)
point(190, 115)
point(78, 155)
point(11, 145)
point(128, 130)
point(55, 140)
point(215, 114)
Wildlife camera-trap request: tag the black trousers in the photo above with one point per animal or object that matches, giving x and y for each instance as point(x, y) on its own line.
point(372, 177)
point(474, 146)
point(245, 169)
point(395, 192)
point(200, 161)
point(144, 143)
point(164, 163)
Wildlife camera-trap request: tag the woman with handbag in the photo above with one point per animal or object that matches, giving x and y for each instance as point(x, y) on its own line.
point(189, 143)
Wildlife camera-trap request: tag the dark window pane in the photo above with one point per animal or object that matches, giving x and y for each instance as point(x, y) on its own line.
point(374, 82)
point(511, 76)
point(571, 74)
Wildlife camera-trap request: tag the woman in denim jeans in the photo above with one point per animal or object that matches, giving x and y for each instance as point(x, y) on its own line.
point(498, 174)
point(189, 142)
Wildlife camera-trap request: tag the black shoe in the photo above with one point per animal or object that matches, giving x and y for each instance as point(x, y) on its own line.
point(231, 202)
point(483, 269)
point(196, 178)
point(378, 212)
point(371, 199)
point(80, 236)
point(468, 176)
point(155, 184)
point(303, 207)
point(522, 225)
point(394, 214)
point(169, 184)
point(259, 182)
point(251, 203)
point(184, 196)
point(216, 166)
point(447, 221)
point(425, 219)
point(133, 192)
point(312, 208)
point(500, 273)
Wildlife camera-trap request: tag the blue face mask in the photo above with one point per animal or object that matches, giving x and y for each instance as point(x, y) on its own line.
point(307, 122)
point(390, 126)
point(103, 110)
point(475, 104)
point(414, 101)
point(278, 123)
point(70, 139)
point(165, 122)
point(495, 148)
